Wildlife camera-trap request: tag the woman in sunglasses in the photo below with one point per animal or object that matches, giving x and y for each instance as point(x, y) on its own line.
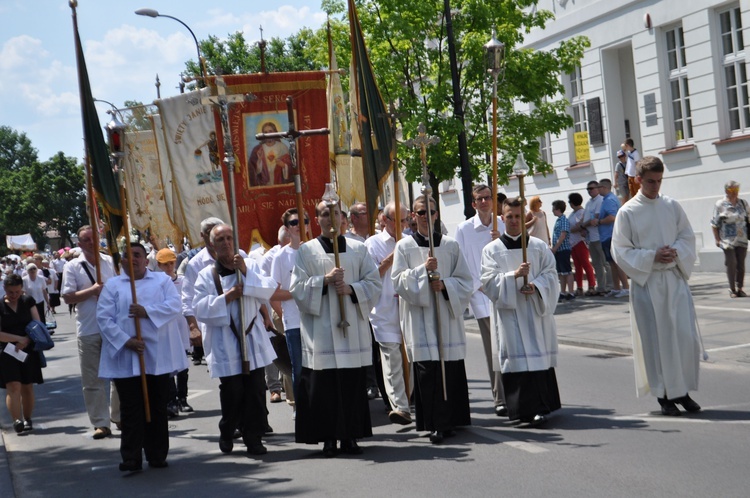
point(729, 223)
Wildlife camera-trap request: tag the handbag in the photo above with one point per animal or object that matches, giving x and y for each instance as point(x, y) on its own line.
point(50, 321)
point(283, 361)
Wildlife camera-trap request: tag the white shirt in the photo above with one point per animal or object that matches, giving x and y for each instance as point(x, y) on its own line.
point(35, 288)
point(281, 271)
point(76, 279)
point(384, 316)
point(591, 211)
point(194, 267)
point(633, 158)
point(472, 236)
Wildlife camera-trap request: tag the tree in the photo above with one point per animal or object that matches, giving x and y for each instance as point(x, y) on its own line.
point(38, 196)
point(15, 150)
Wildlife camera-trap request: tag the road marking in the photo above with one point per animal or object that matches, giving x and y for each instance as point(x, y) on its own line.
point(686, 420)
point(198, 392)
point(727, 348)
point(513, 443)
point(718, 308)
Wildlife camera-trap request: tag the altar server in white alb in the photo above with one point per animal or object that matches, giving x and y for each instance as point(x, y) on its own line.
point(654, 244)
point(158, 311)
point(524, 331)
point(216, 306)
point(472, 236)
point(420, 300)
point(384, 316)
point(332, 402)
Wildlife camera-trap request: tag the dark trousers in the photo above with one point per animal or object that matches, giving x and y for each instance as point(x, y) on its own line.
point(734, 259)
point(178, 385)
point(137, 435)
point(243, 404)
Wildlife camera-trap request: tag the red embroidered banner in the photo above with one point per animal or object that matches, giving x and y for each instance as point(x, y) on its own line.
point(264, 182)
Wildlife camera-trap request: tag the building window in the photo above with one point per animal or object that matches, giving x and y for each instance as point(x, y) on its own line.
point(579, 117)
point(735, 72)
point(576, 84)
point(545, 148)
point(577, 110)
point(678, 85)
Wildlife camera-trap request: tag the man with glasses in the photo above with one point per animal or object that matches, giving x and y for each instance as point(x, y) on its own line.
point(590, 214)
point(472, 235)
point(423, 297)
point(384, 316)
point(360, 226)
point(81, 288)
point(332, 402)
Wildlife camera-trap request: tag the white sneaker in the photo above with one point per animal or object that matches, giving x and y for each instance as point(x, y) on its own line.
point(612, 293)
point(623, 293)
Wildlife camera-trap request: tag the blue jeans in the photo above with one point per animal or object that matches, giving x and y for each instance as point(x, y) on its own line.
point(294, 344)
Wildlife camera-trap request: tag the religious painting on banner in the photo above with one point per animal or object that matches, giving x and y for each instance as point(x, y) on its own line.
point(264, 186)
point(147, 206)
point(189, 129)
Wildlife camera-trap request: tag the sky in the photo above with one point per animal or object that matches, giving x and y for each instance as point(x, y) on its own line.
point(124, 53)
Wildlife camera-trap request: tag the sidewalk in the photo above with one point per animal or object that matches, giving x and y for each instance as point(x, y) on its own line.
point(604, 323)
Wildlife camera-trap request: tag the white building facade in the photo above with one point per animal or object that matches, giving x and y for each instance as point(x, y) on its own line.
point(671, 75)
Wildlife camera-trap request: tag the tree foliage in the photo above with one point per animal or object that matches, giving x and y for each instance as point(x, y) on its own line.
point(38, 196)
point(408, 47)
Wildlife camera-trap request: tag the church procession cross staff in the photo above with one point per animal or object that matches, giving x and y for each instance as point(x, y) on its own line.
point(332, 200)
point(116, 135)
point(292, 134)
point(223, 101)
point(422, 142)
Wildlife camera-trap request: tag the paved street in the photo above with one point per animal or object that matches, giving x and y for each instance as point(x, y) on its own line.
point(604, 441)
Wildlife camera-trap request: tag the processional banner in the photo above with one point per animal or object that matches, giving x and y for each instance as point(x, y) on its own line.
point(193, 153)
point(264, 181)
point(147, 206)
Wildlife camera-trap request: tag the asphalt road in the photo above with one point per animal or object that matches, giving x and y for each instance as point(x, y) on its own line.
point(603, 442)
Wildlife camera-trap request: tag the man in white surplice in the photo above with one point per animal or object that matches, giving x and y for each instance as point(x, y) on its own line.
point(332, 402)
point(654, 244)
point(216, 308)
point(420, 298)
point(524, 330)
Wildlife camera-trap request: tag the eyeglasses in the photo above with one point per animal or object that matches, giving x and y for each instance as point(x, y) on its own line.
point(591, 188)
point(423, 212)
point(484, 198)
point(294, 223)
point(733, 189)
point(403, 220)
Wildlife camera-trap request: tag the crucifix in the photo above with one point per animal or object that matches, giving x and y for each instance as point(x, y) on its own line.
point(223, 101)
point(262, 46)
point(422, 141)
point(292, 134)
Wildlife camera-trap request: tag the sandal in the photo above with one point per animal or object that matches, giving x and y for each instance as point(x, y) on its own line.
point(732, 294)
point(591, 292)
point(741, 293)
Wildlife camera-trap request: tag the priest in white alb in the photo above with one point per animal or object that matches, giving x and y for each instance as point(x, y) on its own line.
point(421, 298)
point(524, 333)
point(216, 304)
point(332, 402)
point(654, 244)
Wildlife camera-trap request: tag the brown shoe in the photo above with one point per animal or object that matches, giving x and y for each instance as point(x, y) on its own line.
point(275, 397)
point(102, 432)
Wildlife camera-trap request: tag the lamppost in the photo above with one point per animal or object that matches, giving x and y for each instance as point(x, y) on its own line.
point(202, 61)
point(521, 169)
point(495, 51)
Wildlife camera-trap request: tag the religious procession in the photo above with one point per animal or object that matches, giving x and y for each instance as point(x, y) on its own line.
point(287, 254)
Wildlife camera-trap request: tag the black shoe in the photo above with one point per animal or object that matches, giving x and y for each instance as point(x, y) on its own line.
point(196, 362)
point(686, 402)
point(130, 466)
point(256, 448)
point(668, 408)
point(501, 411)
point(329, 449)
point(29, 426)
point(449, 433)
point(436, 437)
point(372, 392)
point(158, 464)
point(18, 426)
point(268, 429)
point(537, 421)
point(226, 445)
point(350, 447)
point(183, 405)
point(172, 409)
point(237, 434)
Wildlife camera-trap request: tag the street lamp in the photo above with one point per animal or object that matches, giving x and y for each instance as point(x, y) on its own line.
point(495, 58)
point(521, 169)
point(202, 61)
